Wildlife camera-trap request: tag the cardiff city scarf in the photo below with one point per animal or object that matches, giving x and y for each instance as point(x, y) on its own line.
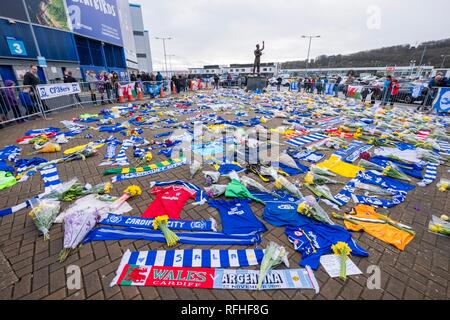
point(150, 170)
point(51, 177)
point(145, 223)
point(110, 153)
point(352, 152)
point(10, 153)
point(304, 140)
point(398, 189)
point(200, 238)
point(210, 278)
point(196, 258)
point(26, 204)
point(201, 196)
point(430, 174)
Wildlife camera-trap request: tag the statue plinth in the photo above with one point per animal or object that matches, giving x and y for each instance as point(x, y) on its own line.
point(255, 82)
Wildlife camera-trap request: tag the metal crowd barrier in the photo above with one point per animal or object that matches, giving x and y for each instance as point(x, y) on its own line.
point(18, 103)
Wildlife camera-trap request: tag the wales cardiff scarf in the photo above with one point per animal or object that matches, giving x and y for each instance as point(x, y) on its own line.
point(210, 278)
point(132, 173)
point(200, 238)
point(144, 223)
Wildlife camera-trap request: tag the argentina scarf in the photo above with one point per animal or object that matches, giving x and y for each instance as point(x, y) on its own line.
point(145, 223)
point(200, 238)
point(196, 258)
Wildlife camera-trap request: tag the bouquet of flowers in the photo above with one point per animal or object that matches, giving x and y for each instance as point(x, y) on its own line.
point(76, 226)
point(194, 168)
point(147, 158)
point(323, 172)
point(317, 179)
point(44, 214)
point(75, 191)
point(440, 225)
point(310, 208)
point(130, 192)
point(161, 223)
point(216, 190)
point(47, 148)
point(369, 165)
point(392, 171)
point(288, 161)
point(342, 250)
point(249, 182)
point(100, 189)
point(283, 183)
point(443, 185)
point(274, 254)
point(211, 177)
point(323, 192)
point(373, 189)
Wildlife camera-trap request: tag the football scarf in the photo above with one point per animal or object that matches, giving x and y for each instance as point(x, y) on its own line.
point(352, 152)
point(306, 155)
point(51, 177)
point(430, 174)
point(210, 278)
point(143, 223)
point(445, 148)
point(308, 139)
point(398, 189)
point(10, 153)
point(200, 238)
point(196, 258)
point(132, 173)
point(201, 196)
point(110, 153)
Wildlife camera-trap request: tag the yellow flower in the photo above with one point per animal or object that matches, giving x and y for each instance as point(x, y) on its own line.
point(386, 170)
point(160, 220)
point(341, 248)
point(437, 228)
point(426, 118)
point(148, 156)
point(309, 179)
point(444, 217)
point(263, 120)
point(443, 187)
point(126, 170)
point(278, 185)
point(133, 191)
point(140, 169)
point(108, 187)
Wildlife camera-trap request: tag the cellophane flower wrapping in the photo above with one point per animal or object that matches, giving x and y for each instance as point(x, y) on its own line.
point(274, 254)
point(44, 214)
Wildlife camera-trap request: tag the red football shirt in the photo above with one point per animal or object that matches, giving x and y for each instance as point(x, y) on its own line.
point(169, 201)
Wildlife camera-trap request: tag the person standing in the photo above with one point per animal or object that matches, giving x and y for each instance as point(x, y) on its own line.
point(229, 78)
point(279, 82)
point(9, 98)
point(387, 89)
point(68, 78)
point(159, 77)
point(91, 78)
point(101, 79)
point(336, 86)
point(319, 85)
point(216, 81)
point(31, 79)
point(395, 90)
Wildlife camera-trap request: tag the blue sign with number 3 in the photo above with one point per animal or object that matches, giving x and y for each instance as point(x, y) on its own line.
point(16, 47)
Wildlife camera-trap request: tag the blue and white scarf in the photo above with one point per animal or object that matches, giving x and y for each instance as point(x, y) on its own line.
point(430, 174)
point(398, 189)
point(195, 258)
point(200, 238)
point(355, 148)
point(308, 139)
point(145, 223)
point(51, 177)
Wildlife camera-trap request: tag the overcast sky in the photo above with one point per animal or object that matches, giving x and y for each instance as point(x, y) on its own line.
point(226, 31)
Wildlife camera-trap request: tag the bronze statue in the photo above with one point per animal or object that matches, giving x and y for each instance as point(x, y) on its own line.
point(258, 54)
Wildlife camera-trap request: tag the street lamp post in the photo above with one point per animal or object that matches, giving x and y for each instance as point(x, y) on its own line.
point(170, 63)
point(413, 65)
point(444, 56)
point(164, 46)
point(309, 50)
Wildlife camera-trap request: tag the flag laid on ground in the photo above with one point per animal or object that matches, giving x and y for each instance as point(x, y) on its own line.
point(209, 278)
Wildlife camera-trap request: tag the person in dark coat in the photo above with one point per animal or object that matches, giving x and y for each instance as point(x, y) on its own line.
point(32, 80)
point(68, 78)
point(10, 100)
